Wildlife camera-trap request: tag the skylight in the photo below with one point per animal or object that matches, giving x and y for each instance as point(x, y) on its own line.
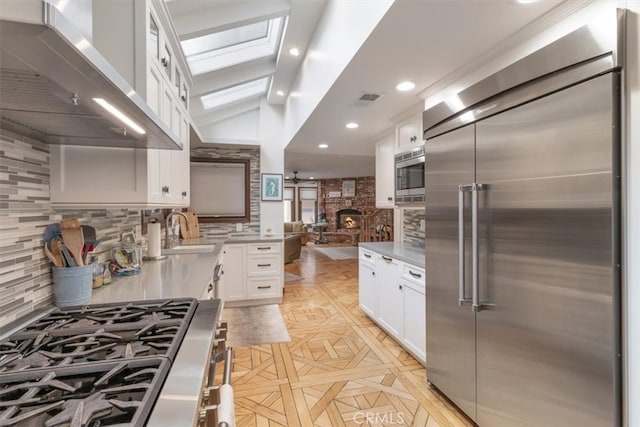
point(226, 38)
point(236, 93)
point(234, 46)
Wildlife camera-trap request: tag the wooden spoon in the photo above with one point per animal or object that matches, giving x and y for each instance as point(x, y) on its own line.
point(57, 253)
point(73, 238)
point(49, 255)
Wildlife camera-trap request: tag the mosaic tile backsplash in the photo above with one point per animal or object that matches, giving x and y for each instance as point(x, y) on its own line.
point(25, 211)
point(411, 226)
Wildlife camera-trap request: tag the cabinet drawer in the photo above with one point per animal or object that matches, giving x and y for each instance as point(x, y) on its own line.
point(262, 287)
point(413, 274)
point(367, 257)
point(264, 248)
point(264, 265)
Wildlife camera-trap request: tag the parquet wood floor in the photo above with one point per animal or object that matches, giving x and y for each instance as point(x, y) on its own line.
point(339, 369)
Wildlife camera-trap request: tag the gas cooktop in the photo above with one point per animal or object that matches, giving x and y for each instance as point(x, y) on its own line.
point(95, 365)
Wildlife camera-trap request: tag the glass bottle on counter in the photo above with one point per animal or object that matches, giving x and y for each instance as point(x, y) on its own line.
point(97, 271)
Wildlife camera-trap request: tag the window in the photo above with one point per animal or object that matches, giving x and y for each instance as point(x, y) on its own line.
point(220, 190)
point(301, 204)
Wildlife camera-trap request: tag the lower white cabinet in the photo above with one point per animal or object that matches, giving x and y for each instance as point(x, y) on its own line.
point(392, 294)
point(253, 274)
point(367, 285)
point(390, 301)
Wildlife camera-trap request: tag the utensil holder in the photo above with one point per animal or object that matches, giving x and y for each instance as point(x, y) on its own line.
point(72, 285)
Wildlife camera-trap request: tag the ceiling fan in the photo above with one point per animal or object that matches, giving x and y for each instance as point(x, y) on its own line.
point(296, 180)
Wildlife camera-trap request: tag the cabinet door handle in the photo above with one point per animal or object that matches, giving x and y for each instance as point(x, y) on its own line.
point(400, 287)
point(373, 273)
point(164, 62)
point(184, 194)
point(264, 287)
point(183, 97)
point(418, 275)
point(264, 248)
point(386, 258)
point(165, 189)
point(367, 256)
point(264, 265)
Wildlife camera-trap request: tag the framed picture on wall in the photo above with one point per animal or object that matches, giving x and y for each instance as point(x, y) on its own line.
point(348, 188)
point(271, 188)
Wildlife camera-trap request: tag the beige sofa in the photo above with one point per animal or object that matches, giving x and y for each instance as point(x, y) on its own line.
point(295, 236)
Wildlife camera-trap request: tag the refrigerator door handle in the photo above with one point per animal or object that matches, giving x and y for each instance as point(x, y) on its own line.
point(462, 298)
point(475, 305)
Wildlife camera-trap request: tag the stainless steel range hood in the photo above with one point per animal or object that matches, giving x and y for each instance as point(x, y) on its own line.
point(50, 75)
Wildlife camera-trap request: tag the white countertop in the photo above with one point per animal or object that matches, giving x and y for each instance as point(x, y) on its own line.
point(185, 275)
point(406, 252)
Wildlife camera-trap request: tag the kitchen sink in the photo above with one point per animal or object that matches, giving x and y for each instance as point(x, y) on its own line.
point(188, 249)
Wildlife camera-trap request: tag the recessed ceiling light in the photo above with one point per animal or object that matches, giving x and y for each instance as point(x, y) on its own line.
point(526, 1)
point(286, 177)
point(294, 51)
point(405, 86)
point(323, 145)
point(310, 177)
point(280, 93)
point(351, 125)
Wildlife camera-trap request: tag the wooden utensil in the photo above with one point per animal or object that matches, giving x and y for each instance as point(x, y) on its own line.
point(51, 257)
point(73, 238)
point(54, 245)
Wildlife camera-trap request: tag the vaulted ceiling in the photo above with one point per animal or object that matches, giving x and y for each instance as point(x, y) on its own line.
point(238, 51)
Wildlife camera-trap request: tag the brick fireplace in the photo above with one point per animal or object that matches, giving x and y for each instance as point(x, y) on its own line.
point(348, 219)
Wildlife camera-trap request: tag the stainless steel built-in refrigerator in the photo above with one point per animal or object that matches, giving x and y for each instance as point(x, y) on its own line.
point(522, 253)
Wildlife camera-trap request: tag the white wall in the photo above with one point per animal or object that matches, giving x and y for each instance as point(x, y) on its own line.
point(342, 29)
point(271, 161)
point(241, 129)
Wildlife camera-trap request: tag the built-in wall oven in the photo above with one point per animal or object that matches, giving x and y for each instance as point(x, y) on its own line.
point(410, 176)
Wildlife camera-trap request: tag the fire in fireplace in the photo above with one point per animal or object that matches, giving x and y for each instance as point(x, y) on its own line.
point(348, 219)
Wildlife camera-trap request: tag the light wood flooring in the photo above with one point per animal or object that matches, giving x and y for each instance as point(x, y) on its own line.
point(339, 369)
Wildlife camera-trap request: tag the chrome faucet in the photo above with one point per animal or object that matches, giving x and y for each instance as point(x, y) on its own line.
point(168, 236)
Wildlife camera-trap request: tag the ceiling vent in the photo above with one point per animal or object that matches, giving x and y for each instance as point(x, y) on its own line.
point(369, 97)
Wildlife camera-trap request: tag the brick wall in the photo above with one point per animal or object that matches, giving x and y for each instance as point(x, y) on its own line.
point(364, 199)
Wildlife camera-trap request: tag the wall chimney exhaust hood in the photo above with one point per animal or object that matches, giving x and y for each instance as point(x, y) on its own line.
point(55, 87)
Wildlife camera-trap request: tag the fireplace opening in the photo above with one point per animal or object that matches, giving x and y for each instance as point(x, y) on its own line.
point(348, 219)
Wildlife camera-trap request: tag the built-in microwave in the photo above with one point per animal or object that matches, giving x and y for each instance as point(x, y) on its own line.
point(410, 176)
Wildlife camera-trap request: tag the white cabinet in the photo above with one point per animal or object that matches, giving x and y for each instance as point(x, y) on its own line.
point(414, 310)
point(367, 288)
point(253, 274)
point(385, 172)
point(100, 177)
point(232, 282)
point(389, 294)
point(409, 133)
point(392, 294)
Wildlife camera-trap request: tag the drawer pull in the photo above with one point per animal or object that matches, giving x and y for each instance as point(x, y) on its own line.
point(367, 255)
point(264, 287)
point(418, 275)
point(386, 258)
point(264, 265)
point(264, 248)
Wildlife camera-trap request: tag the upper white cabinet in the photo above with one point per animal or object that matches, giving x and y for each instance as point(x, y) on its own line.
point(409, 133)
point(122, 177)
point(385, 173)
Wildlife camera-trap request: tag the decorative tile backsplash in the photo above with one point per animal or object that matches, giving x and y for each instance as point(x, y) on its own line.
point(25, 211)
point(411, 224)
